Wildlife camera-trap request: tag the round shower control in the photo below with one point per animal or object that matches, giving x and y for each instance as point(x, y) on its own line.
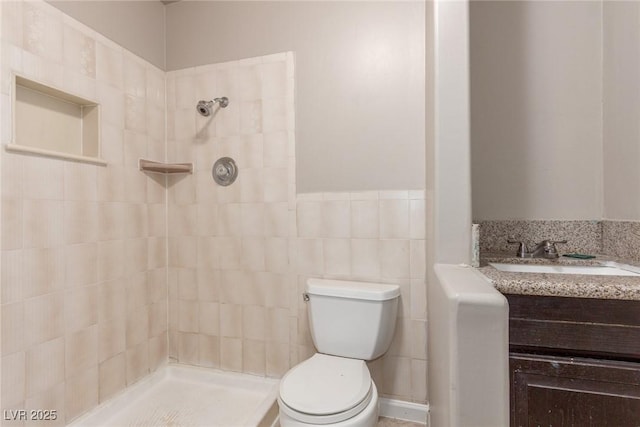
point(224, 171)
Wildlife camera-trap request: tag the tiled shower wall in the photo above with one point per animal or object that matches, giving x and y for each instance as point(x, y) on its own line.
point(83, 301)
point(230, 279)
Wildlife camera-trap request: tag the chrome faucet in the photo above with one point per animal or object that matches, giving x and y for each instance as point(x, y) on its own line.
point(544, 249)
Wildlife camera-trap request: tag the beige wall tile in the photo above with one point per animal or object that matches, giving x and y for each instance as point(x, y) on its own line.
point(277, 359)
point(188, 348)
point(364, 219)
point(418, 259)
point(254, 357)
point(397, 377)
point(401, 345)
point(13, 379)
point(417, 219)
point(157, 285)
point(419, 340)
point(13, 328)
point(337, 218)
point(80, 181)
point(112, 302)
point(79, 52)
point(81, 392)
point(12, 224)
point(276, 253)
point(209, 318)
point(310, 219)
point(43, 178)
point(277, 325)
point(310, 258)
point(137, 362)
point(135, 256)
point(277, 184)
point(12, 181)
point(208, 284)
point(109, 63)
point(419, 380)
point(188, 319)
point(12, 276)
point(135, 216)
point(80, 221)
point(337, 257)
point(418, 299)
point(253, 254)
point(158, 352)
point(276, 146)
point(44, 223)
point(209, 349)
point(43, 271)
point(137, 327)
point(45, 366)
point(158, 319)
point(44, 318)
point(112, 376)
point(157, 253)
point(81, 263)
point(111, 338)
point(52, 399)
point(110, 220)
point(253, 322)
point(394, 219)
point(81, 350)
point(277, 289)
point(81, 308)
point(231, 320)
point(231, 354)
point(364, 258)
point(394, 259)
point(276, 219)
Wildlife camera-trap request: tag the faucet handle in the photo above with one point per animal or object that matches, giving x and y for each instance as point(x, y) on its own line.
point(550, 248)
point(522, 248)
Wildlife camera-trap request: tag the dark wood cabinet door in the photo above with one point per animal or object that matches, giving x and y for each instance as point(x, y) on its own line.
point(554, 391)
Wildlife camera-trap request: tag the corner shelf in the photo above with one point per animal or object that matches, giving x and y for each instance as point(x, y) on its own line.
point(166, 168)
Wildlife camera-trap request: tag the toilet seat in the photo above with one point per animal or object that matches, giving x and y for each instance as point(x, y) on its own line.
point(325, 389)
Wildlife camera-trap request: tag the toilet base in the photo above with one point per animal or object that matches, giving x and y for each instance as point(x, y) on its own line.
point(367, 418)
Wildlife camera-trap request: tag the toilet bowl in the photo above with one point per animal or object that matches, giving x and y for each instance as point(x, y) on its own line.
point(350, 323)
point(328, 390)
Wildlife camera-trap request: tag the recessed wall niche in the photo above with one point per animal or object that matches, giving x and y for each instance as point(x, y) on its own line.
point(51, 122)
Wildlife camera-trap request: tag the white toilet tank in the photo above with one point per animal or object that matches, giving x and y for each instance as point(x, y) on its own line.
point(352, 319)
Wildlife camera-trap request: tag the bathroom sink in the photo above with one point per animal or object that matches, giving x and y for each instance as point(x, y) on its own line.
point(605, 269)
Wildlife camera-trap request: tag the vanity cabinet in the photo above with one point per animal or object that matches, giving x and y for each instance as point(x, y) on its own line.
point(574, 361)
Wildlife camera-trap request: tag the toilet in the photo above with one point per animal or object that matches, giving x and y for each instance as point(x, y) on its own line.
point(350, 323)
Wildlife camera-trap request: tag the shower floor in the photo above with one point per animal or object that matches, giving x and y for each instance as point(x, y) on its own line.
point(188, 396)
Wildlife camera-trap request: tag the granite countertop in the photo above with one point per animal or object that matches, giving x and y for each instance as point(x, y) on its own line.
point(561, 285)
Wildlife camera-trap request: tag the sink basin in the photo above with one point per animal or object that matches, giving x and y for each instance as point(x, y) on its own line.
point(606, 269)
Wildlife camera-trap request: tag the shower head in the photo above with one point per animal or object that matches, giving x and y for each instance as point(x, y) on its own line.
point(204, 107)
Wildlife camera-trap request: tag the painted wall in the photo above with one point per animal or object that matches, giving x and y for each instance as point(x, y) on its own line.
point(360, 80)
point(135, 25)
point(536, 110)
point(621, 71)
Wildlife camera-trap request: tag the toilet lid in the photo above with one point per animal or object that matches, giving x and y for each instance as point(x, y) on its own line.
point(324, 385)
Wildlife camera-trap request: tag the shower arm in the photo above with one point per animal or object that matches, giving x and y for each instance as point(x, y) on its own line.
point(223, 101)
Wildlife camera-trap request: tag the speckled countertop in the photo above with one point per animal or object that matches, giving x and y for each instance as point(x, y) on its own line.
point(561, 285)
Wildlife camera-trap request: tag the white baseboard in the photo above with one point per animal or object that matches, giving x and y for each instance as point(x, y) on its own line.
point(408, 411)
